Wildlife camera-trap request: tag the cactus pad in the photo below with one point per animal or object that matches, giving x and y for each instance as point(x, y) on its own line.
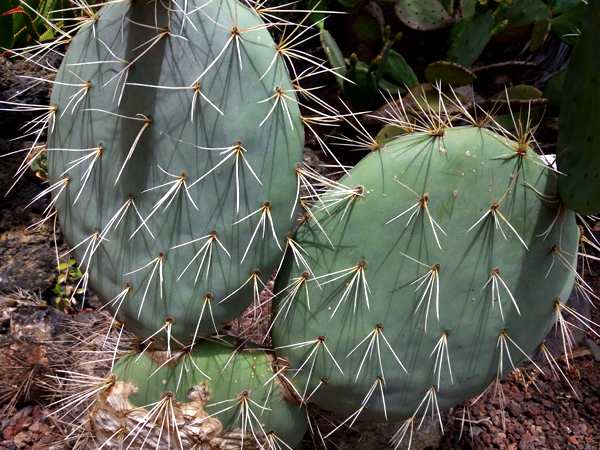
point(578, 146)
point(469, 37)
point(189, 132)
point(439, 280)
point(423, 14)
point(216, 397)
point(447, 74)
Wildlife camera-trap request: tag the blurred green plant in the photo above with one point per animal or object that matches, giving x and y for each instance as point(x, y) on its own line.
point(38, 162)
point(466, 27)
point(27, 23)
point(66, 286)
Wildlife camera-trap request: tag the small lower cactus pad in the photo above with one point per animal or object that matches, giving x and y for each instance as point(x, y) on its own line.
point(173, 150)
point(217, 397)
point(451, 255)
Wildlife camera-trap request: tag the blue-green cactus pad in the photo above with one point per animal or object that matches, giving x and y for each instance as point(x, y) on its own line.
point(463, 172)
point(195, 102)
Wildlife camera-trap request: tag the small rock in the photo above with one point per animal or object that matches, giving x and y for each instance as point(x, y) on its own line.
point(515, 409)
point(9, 432)
point(486, 438)
point(533, 411)
point(22, 439)
point(475, 431)
point(555, 441)
point(25, 412)
point(35, 427)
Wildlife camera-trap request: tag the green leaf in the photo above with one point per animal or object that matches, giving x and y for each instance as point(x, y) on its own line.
point(458, 28)
point(449, 74)
point(57, 290)
point(62, 266)
point(467, 8)
point(367, 29)
point(519, 92)
point(521, 16)
point(398, 71)
point(567, 25)
point(76, 272)
point(560, 6)
point(48, 34)
point(388, 133)
point(384, 55)
point(27, 30)
point(423, 15)
point(363, 91)
point(61, 278)
point(334, 55)
point(540, 33)
point(553, 92)
point(7, 38)
point(499, 27)
point(448, 6)
point(72, 262)
point(319, 7)
point(469, 37)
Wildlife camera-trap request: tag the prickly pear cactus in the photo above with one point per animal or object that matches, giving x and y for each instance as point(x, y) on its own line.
point(173, 149)
point(520, 17)
point(360, 86)
point(423, 15)
point(232, 401)
point(578, 145)
point(469, 37)
point(445, 259)
point(423, 276)
point(445, 74)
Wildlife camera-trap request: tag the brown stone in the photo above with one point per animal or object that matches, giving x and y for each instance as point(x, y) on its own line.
point(533, 411)
point(515, 409)
point(9, 433)
point(22, 439)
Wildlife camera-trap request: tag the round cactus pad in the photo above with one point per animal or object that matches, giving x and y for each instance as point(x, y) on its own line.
point(450, 256)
